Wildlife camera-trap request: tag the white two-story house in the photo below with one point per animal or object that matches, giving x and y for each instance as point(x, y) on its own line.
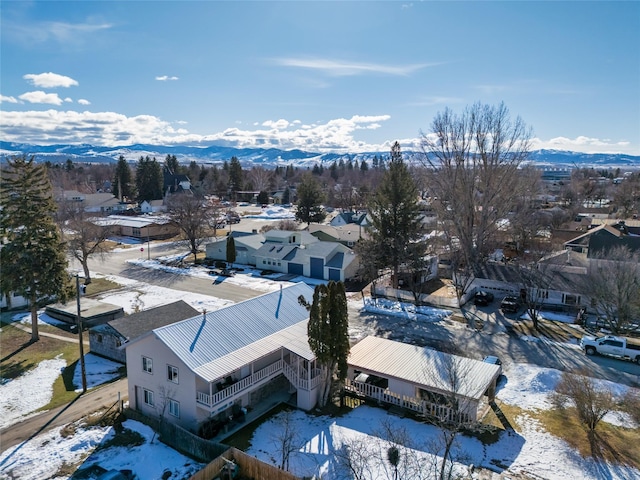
point(210, 365)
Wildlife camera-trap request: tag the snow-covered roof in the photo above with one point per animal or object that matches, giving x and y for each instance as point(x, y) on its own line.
point(219, 342)
point(135, 222)
point(423, 366)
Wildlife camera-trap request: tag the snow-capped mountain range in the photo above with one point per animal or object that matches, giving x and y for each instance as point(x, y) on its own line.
point(273, 157)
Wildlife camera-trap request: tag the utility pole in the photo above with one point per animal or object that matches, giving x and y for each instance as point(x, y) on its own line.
point(79, 324)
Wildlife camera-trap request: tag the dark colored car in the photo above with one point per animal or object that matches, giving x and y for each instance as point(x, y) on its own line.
point(510, 304)
point(483, 298)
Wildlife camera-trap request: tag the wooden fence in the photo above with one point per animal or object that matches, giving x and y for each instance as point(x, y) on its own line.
point(250, 467)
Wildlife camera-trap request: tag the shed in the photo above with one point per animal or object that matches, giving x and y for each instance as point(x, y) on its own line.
point(93, 312)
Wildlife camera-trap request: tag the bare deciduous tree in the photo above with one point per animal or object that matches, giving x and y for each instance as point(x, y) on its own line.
point(472, 161)
point(613, 283)
point(286, 439)
point(83, 236)
point(194, 216)
point(591, 403)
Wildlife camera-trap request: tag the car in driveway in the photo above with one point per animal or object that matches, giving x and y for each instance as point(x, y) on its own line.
point(510, 304)
point(492, 359)
point(482, 298)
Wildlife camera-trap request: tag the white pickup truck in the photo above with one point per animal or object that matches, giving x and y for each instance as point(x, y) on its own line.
point(619, 347)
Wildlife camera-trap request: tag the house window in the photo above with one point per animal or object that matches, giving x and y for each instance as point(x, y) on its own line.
point(147, 364)
point(99, 338)
point(148, 397)
point(172, 373)
point(174, 408)
point(118, 343)
point(571, 299)
point(136, 232)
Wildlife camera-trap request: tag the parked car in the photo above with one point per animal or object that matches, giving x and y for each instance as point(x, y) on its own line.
point(510, 304)
point(232, 217)
point(482, 298)
point(494, 361)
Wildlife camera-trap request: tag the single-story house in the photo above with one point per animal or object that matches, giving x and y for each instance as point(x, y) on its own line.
point(92, 312)
point(347, 235)
point(290, 252)
point(96, 202)
point(106, 339)
point(426, 381)
point(153, 206)
point(144, 227)
point(210, 367)
point(346, 218)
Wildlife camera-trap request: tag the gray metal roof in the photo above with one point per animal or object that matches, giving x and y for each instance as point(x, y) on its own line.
point(422, 366)
point(237, 334)
point(136, 324)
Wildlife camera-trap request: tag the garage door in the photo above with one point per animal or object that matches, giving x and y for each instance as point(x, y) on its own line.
point(334, 274)
point(295, 268)
point(317, 267)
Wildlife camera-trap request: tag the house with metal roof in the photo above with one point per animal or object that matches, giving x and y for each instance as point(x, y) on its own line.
point(143, 227)
point(218, 363)
point(108, 338)
point(426, 381)
point(290, 252)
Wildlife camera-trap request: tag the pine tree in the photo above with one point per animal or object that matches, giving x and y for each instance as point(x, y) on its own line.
point(328, 332)
point(122, 184)
point(33, 259)
point(395, 220)
point(310, 198)
point(149, 179)
point(171, 164)
point(235, 176)
point(231, 250)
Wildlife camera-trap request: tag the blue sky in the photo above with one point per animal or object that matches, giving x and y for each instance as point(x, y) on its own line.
point(320, 76)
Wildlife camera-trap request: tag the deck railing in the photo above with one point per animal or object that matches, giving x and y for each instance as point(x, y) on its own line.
point(259, 378)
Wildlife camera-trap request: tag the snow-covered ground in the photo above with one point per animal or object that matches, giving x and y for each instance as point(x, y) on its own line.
point(532, 450)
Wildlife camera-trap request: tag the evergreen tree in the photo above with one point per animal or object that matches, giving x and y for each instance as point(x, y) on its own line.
point(333, 170)
point(171, 164)
point(231, 249)
point(33, 259)
point(286, 196)
point(263, 197)
point(149, 179)
point(310, 198)
point(122, 184)
point(235, 176)
point(395, 220)
point(328, 331)
point(364, 167)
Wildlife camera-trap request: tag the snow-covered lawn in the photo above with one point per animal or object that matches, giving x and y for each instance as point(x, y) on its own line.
point(322, 439)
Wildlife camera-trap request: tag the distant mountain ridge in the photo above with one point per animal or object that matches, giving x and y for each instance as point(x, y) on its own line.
point(272, 157)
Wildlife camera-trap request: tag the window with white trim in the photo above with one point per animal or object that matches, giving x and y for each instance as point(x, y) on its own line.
point(147, 364)
point(148, 397)
point(172, 373)
point(174, 408)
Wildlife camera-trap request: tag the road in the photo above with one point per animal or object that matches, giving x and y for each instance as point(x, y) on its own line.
point(95, 399)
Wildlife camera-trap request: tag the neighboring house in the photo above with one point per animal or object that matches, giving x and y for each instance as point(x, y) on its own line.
point(604, 237)
point(97, 202)
point(290, 252)
point(153, 206)
point(146, 227)
point(175, 183)
point(421, 379)
point(12, 300)
point(347, 235)
point(346, 218)
point(565, 275)
point(106, 339)
point(216, 363)
point(93, 312)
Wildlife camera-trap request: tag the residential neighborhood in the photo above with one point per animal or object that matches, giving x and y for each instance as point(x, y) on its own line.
point(319, 240)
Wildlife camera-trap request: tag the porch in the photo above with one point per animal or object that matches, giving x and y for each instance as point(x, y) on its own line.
point(296, 370)
point(416, 405)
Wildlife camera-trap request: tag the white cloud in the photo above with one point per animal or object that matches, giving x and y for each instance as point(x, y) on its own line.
point(62, 32)
point(41, 97)
point(341, 68)
point(82, 101)
point(165, 78)
point(278, 124)
point(68, 100)
point(50, 80)
point(584, 144)
point(5, 99)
